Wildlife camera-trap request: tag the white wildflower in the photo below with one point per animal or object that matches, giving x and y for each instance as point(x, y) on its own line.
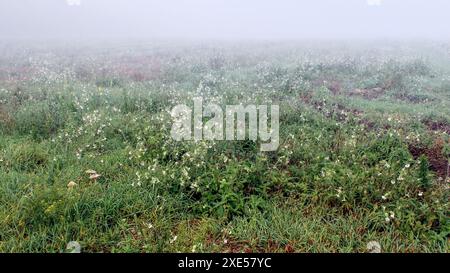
point(173, 239)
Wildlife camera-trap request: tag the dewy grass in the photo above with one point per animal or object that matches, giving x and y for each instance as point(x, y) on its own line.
point(87, 158)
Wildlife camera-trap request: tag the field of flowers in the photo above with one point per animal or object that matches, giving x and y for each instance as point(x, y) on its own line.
point(86, 153)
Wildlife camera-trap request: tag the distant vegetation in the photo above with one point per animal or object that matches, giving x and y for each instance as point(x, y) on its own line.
point(86, 153)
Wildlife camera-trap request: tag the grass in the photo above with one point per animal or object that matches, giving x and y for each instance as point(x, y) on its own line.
point(363, 156)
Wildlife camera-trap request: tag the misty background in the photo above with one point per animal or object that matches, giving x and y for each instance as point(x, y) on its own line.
point(225, 19)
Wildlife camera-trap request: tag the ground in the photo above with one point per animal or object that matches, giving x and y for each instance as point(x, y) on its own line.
point(86, 153)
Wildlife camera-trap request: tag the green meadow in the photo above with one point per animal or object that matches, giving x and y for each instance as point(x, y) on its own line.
point(86, 153)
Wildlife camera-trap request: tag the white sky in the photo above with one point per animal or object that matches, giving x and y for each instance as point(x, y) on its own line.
point(240, 19)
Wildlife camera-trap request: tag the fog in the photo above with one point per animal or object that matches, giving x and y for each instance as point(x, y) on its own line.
point(225, 19)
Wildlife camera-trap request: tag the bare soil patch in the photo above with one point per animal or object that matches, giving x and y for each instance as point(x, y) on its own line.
point(416, 99)
point(369, 94)
point(434, 125)
point(438, 162)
